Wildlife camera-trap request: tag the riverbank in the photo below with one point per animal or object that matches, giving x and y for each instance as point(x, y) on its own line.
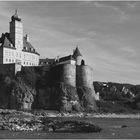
point(112, 128)
point(53, 124)
point(87, 115)
point(45, 113)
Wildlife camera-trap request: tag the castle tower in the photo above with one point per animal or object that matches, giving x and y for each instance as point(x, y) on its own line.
point(77, 56)
point(16, 31)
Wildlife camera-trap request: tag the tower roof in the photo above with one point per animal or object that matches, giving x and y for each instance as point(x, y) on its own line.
point(15, 17)
point(76, 53)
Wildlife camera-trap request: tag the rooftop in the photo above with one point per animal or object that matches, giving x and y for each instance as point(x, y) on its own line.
point(76, 53)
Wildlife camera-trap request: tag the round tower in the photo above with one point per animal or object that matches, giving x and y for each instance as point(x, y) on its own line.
point(84, 76)
point(65, 73)
point(69, 75)
point(77, 56)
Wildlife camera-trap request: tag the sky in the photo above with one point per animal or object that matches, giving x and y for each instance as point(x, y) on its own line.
point(107, 33)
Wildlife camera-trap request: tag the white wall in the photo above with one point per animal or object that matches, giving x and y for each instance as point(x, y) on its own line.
point(26, 58)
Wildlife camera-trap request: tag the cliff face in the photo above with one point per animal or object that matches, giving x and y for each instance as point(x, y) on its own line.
point(15, 94)
point(67, 98)
point(31, 89)
point(21, 96)
point(61, 90)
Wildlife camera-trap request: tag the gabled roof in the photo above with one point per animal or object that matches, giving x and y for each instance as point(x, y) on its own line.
point(76, 53)
point(6, 42)
point(27, 47)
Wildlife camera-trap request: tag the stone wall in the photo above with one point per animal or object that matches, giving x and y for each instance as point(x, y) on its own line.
point(84, 76)
point(1, 55)
point(65, 73)
point(69, 75)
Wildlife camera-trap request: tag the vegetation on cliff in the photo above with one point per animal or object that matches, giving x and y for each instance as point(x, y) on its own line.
point(118, 98)
point(30, 88)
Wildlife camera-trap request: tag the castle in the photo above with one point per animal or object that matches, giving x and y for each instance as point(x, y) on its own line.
point(16, 52)
point(72, 70)
point(16, 48)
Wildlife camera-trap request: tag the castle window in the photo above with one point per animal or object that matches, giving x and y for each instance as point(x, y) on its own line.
point(9, 60)
point(13, 61)
point(6, 59)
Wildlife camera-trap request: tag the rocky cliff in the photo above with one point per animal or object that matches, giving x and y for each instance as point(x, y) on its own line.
point(67, 98)
point(29, 89)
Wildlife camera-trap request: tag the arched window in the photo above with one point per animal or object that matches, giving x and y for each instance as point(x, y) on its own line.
point(82, 62)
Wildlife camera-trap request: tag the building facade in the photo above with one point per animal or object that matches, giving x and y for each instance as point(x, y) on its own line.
point(16, 48)
point(75, 59)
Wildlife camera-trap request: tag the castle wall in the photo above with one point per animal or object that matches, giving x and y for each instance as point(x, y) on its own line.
point(69, 74)
point(1, 55)
point(84, 76)
point(78, 60)
point(29, 59)
point(63, 73)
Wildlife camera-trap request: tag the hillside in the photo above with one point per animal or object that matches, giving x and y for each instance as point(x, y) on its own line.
point(117, 97)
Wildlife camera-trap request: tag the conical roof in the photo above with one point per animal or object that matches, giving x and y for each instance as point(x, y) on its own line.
point(76, 53)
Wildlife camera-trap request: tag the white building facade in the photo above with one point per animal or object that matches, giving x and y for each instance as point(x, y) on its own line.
point(15, 48)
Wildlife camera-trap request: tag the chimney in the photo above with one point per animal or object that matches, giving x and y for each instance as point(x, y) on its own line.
point(27, 38)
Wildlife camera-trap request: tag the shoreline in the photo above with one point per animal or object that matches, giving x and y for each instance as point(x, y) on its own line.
point(45, 113)
point(94, 115)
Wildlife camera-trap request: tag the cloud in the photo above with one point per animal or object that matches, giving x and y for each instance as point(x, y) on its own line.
point(108, 43)
point(121, 16)
point(132, 4)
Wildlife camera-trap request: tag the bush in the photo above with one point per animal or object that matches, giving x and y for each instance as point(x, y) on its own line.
point(28, 75)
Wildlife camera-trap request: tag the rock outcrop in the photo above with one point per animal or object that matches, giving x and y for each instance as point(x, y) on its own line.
point(64, 97)
point(22, 96)
point(87, 98)
point(21, 121)
point(60, 97)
